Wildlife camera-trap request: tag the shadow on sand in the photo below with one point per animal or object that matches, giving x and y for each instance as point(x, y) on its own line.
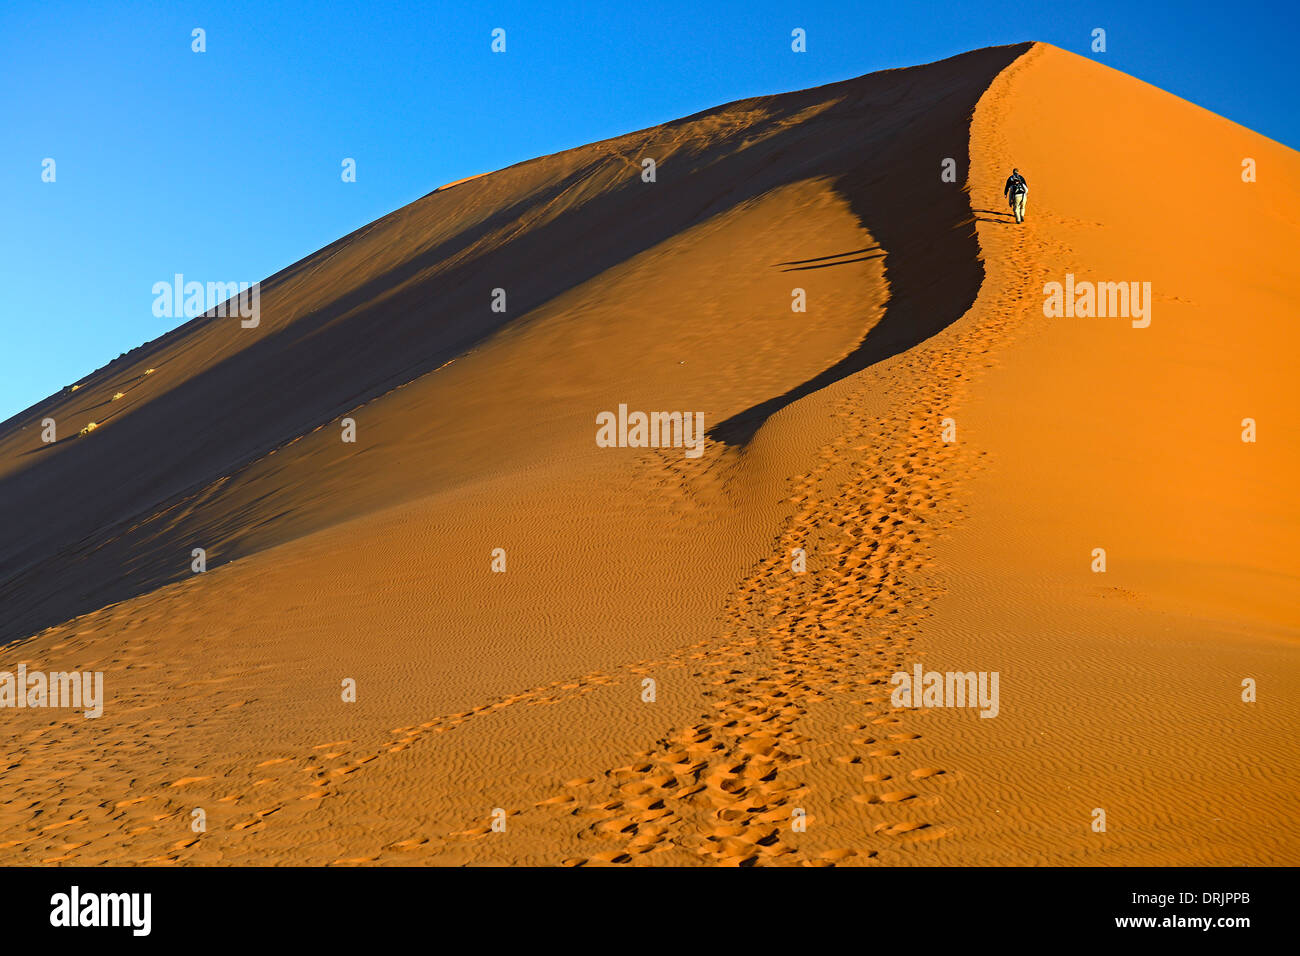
point(115, 515)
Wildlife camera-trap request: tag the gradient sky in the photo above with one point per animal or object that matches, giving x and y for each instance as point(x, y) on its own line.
point(225, 165)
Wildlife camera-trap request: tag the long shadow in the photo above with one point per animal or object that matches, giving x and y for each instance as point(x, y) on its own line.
point(932, 259)
point(831, 265)
point(838, 255)
point(82, 522)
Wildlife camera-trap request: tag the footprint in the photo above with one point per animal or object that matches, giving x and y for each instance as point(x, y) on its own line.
point(895, 796)
point(907, 826)
point(837, 855)
point(556, 801)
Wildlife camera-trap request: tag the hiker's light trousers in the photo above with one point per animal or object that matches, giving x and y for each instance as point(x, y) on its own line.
point(1018, 205)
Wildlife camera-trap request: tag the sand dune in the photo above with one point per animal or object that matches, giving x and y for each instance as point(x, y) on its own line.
point(771, 737)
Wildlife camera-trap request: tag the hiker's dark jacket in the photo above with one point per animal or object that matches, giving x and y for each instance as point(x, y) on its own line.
point(1012, 181)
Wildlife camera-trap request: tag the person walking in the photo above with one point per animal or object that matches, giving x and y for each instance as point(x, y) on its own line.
point(1016, 190)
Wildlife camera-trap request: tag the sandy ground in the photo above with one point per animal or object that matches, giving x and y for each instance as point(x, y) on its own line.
point(650, 680)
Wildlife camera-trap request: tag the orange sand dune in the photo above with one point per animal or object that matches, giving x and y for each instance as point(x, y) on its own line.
point(650, 680)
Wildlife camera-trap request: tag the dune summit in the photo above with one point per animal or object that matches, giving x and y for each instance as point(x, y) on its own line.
point(365, 585)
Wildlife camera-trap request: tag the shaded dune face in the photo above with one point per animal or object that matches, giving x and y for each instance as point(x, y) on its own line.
point(98, 519)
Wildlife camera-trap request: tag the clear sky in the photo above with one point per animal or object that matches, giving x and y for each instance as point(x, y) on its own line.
point(225, 165)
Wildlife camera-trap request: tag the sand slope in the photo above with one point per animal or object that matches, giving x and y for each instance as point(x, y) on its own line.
point(1122, 690)
point(525, 691)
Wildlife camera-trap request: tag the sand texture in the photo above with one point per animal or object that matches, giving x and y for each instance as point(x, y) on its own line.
point(651, 680)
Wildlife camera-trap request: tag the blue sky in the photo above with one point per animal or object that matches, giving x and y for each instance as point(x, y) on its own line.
point(225, 165)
